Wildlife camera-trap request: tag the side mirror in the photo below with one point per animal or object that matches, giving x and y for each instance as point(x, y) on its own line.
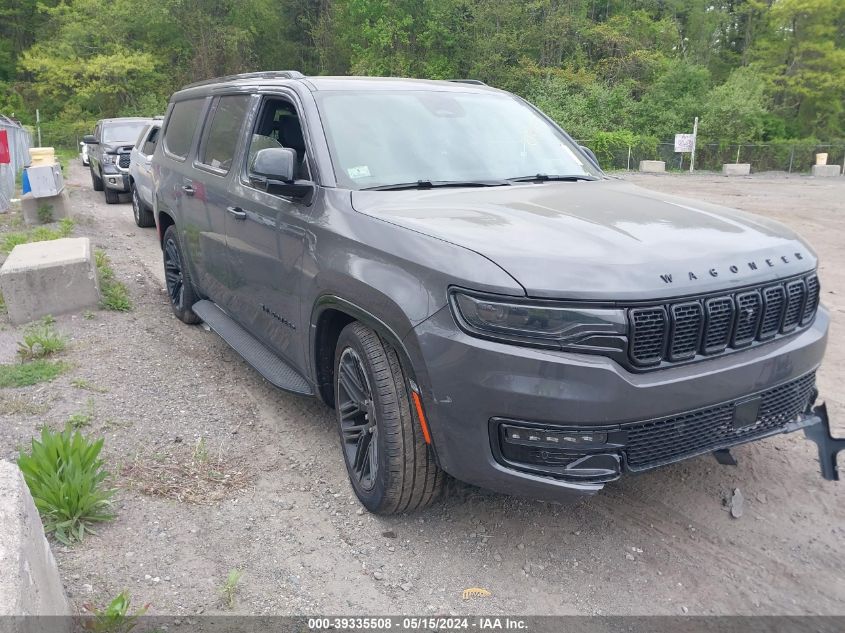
point(591, 155)
point(273, 170)
point(90, 139)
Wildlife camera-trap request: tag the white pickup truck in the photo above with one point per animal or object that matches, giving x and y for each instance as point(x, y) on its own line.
point(140, 174)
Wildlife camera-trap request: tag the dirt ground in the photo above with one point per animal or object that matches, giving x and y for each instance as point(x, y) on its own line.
point(185, 418)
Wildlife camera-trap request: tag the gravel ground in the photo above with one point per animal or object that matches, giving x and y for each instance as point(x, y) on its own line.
point(216, 470)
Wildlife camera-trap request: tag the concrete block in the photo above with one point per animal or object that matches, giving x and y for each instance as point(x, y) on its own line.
point(652, 166)
point(50, 277)
point(826, 171)
point(56, 207)
point(736, 169)
point(29, 582)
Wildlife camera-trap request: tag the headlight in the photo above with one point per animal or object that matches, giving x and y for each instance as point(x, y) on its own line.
point(541, 323)
point(108, 159)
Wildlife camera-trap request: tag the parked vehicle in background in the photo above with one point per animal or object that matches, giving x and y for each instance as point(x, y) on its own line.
point(108, 154)
point(83, 152)
point(445, 267)
point(141, 175)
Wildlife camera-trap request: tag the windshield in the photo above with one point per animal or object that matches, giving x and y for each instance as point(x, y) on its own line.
point(388, 137)
point(126, 132)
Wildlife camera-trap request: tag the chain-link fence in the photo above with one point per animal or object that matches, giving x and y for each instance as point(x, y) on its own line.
point(19, 144)
point(790, 157)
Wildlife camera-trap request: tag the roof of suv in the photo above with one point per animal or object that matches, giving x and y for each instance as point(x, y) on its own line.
point(316, 83)
point(126, 118)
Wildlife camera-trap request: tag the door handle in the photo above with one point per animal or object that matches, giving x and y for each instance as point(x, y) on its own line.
point(188, 189)
point(239, 213)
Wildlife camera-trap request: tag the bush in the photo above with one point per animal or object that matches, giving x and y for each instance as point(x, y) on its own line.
point(66, 479)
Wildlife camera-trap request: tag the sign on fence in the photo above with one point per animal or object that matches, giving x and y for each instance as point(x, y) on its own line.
point(684, 142)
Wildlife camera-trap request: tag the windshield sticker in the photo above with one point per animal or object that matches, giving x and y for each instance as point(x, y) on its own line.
point(361, 171)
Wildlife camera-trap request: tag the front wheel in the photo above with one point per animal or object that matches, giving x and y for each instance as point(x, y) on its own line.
point(96, 181)
point(390, 466)
point(112, 196)
point(180, 290)
point(143, 216)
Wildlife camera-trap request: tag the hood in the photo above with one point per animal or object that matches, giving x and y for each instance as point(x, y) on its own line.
point(606, 240)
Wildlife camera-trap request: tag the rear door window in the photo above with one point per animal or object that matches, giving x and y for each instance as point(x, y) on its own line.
point(226, 119)
point(181, 126)
point(149, 146)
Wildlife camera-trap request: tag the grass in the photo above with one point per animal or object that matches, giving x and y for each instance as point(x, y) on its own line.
point(38, 234)
point(81, 383)
point(3, 309)
point(19, 405)
point(32, 373)
point(45, 213)
point(229, 589)
point(115, 618)
point(113, 293)
point(186, 477)
point(82, 418)
point(66, 479)
point(41, 340)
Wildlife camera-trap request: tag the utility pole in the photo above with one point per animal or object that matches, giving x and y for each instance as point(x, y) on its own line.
point(694, 142)
point(38, 125)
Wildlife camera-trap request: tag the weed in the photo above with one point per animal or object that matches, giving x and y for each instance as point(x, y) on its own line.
point(201, 451)
point(40, 340)
point(82, 418)
point(19, 405)
point(115, 618)
point(230, 588)
point(66, 477)
point(2, 304)
point(38, 234)
point(45, 213)
point(26, 374)
point(114, 295)
point(88, 315)
point(81, 383)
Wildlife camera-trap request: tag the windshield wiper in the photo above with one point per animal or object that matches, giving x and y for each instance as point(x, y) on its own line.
point(550, 177)
point(431, 184)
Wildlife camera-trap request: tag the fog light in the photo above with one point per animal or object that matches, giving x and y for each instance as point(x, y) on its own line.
point(526, 436)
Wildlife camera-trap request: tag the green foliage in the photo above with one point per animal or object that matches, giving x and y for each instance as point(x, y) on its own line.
point(229, 589)
point(45, 213)
point(26, 374)
point(66, 478)
point(40, 340)
point(113, 293)
point(115, 618)
point(770, 69)
point(82, 418)
point(38, 234)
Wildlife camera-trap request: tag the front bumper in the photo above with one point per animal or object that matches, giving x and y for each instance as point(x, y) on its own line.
point(118, 181)
point(472, 386)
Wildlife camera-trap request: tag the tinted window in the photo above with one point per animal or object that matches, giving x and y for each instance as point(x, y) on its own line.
point(149, 147)
point(278, 125)
point(181, 126)
point(224, 131)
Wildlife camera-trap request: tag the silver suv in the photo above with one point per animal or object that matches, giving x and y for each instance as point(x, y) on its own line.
point(446, 268)
point(141, 174)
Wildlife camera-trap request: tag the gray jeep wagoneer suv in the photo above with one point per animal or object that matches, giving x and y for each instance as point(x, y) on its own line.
point(448, 270)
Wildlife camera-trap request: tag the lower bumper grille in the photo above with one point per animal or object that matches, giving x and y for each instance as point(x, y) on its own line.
point(657, 442)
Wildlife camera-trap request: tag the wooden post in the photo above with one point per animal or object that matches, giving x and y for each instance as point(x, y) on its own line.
point(694, 142)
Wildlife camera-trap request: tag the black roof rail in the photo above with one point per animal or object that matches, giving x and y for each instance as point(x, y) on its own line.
point(264, 74)
point(474, 82)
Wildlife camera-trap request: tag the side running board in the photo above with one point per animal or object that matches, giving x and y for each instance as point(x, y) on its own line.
point(265, 362)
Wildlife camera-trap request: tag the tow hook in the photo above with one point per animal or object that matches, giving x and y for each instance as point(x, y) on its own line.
point(829, 446)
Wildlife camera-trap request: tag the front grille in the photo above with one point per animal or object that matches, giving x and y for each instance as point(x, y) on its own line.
point(123, 161)
point(657, 442)
point(678, 332)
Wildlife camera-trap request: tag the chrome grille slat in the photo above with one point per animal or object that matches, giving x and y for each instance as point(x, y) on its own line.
point(679, 331)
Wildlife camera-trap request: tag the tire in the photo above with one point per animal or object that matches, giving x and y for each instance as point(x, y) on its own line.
point(143, 216)
point(397, 470)
point(180, 288)
point(96, 181)
point(112, 196)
